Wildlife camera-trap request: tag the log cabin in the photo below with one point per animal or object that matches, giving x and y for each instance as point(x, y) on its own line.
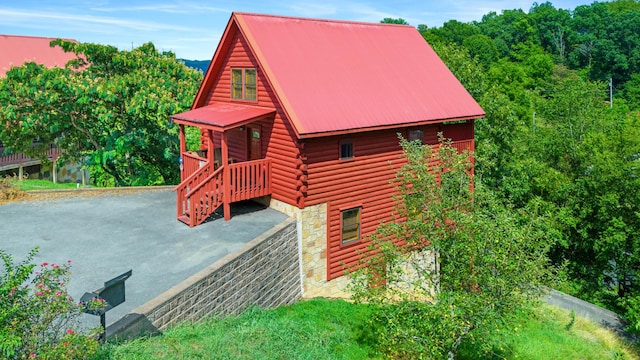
point(304, 115)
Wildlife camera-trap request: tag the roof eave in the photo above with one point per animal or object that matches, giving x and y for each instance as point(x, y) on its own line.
point(387, 127)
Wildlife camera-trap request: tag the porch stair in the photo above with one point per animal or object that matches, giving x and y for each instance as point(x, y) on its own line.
point(205, 190)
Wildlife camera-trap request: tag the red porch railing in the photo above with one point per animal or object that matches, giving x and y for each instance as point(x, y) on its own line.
point(191, 163)
point(202, 192)
point(196, 178)
point(250, 179)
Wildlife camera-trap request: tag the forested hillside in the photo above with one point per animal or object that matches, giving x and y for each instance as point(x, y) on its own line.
point(553, 141)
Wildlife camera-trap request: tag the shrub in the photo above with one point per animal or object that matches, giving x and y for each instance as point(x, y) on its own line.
point(38, 318)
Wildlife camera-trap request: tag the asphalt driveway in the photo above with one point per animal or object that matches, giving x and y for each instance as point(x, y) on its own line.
point(106, 235)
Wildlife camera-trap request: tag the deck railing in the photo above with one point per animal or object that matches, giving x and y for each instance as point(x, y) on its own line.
point(19, 158)
point(202, 192)
point(250, 179)
point(463, 145)
point(191, 163)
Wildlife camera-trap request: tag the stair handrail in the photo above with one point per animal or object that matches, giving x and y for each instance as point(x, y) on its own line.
point(192, 176)
point(204, 182)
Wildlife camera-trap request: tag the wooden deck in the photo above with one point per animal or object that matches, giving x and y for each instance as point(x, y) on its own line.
point(15, 161)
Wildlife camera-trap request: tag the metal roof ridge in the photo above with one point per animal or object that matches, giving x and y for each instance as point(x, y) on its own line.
point(353, 22)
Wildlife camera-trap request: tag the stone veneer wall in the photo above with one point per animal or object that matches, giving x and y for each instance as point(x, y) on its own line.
point(265, 272)
point(312, 240)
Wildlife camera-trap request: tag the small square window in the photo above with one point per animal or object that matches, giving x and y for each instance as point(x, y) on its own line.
point(350, 225)
point(346, 150)
point(416, 134)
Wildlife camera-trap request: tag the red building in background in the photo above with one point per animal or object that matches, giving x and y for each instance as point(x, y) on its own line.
point(16, 51)
point(304, 114)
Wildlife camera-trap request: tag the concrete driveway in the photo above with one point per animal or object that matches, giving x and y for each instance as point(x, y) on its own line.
point(108, 234)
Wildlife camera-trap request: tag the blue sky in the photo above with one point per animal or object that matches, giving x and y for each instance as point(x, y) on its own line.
point(192, 29)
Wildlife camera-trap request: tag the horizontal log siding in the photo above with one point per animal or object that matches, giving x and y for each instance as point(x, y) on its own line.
point(278, 137)
point(363, 181)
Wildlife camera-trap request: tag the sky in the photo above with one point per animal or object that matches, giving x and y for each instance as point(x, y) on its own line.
point(192, 29)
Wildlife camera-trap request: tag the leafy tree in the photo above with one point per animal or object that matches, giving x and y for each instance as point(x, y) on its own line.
point(472, 260)
point(482, 47)
point(399, 21)
point(107, 108)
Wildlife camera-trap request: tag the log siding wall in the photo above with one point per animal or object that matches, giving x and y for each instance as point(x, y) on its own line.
point(364, 181)
point(277, 136)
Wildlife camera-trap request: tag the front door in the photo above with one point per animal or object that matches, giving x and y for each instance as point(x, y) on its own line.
point(255, 145)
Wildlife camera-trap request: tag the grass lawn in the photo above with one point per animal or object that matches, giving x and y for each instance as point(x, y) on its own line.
point(35, 184)
point(333, 329)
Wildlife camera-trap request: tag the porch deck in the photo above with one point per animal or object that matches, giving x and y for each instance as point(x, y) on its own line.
point(207, 186)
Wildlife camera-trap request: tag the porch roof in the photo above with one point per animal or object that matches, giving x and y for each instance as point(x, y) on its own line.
point(221, 116)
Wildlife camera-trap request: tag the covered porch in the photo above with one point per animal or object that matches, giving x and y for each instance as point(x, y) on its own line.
point(210, 177)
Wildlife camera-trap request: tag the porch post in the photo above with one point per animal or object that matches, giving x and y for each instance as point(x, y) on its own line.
point(227, 177)
point(183, 149)
point(210, 148)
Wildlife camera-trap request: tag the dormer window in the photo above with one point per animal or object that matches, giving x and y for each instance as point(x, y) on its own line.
point(243, 84)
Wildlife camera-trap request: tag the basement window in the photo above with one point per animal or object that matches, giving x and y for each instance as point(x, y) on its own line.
point(244, 84)
point(350, 225)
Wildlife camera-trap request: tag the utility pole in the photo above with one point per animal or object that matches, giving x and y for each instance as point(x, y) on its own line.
point(611, 92)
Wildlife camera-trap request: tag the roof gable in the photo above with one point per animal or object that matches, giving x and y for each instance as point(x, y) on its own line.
point(338, 76)
point(17, 50)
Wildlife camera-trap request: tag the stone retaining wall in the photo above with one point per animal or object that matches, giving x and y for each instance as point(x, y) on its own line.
point(265, 273)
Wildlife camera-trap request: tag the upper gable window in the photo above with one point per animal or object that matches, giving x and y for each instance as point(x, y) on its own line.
point(243, 84)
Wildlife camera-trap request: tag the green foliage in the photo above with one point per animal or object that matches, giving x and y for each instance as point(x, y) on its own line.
point(37, 316)
point(631, 304)
point(477, 259)
point(107, 108)
point(399, 21)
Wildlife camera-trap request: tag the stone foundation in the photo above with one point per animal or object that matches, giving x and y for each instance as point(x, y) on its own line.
point(312, 241)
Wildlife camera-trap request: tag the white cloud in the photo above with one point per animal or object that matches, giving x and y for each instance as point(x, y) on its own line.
point(17, 17)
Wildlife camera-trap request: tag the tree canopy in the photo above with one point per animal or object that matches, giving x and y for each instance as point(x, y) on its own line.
point(108, 109)
point(551, 136)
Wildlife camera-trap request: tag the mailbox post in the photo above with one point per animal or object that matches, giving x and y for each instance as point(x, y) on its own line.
point(111, 295)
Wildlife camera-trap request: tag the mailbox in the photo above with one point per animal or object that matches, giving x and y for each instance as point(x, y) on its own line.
point(111, 294)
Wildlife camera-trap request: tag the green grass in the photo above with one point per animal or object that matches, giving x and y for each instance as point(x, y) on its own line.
point(315, 329)
point(333, 329)
point(35, 184)
point(548, 332)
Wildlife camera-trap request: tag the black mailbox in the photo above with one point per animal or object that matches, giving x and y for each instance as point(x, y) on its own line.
point(112, 295)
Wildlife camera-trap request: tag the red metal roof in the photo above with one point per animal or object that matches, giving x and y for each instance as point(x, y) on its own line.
point(17, 50)
point(340, 76)
point(221, 116)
